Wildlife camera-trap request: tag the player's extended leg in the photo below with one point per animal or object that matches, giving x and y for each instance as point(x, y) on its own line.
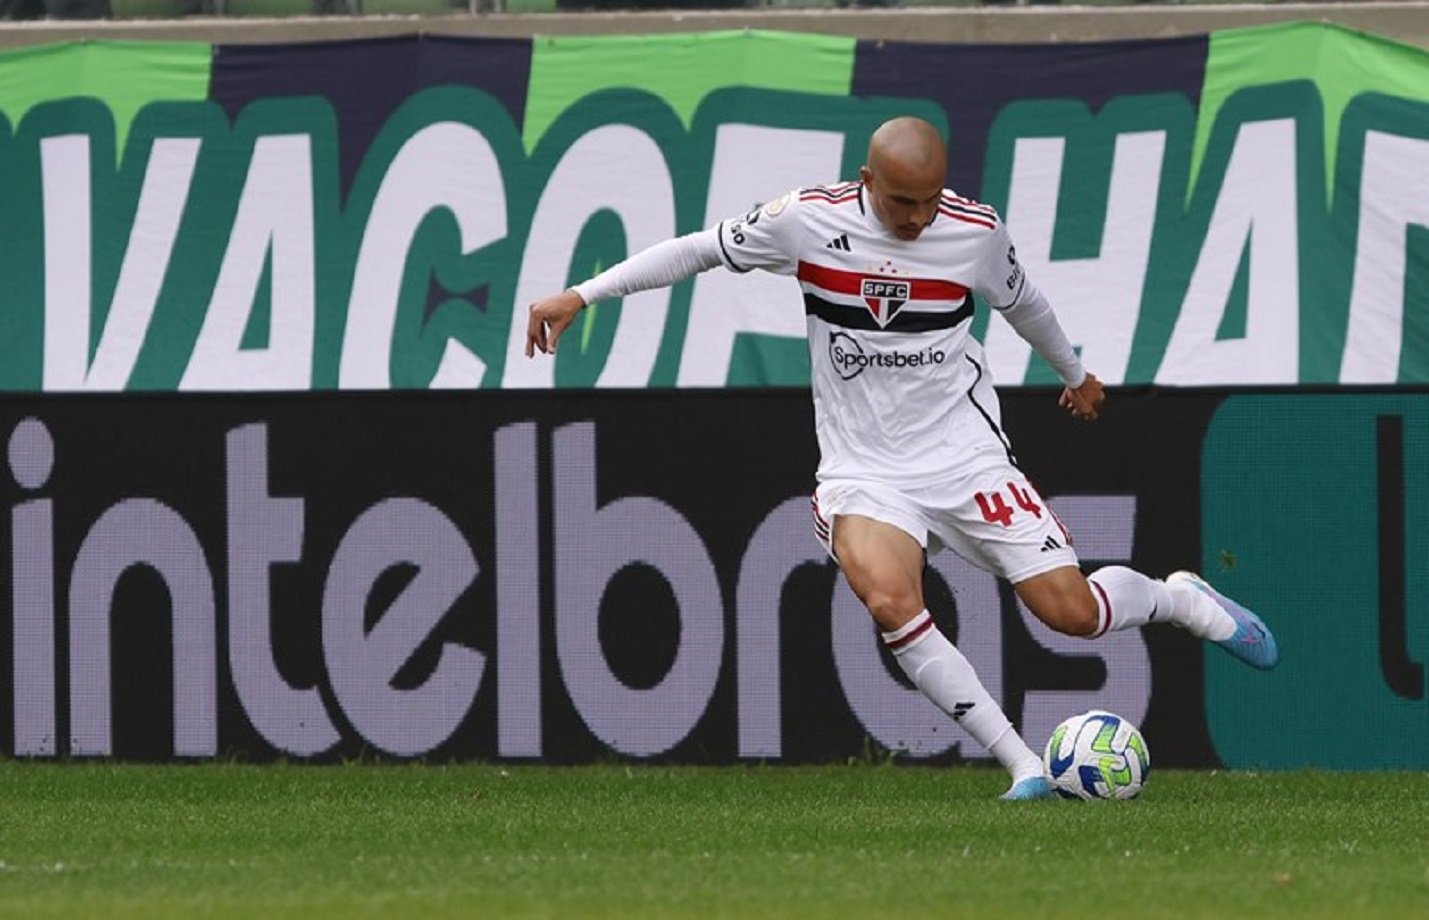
point(1116, 597)
point(884, 567)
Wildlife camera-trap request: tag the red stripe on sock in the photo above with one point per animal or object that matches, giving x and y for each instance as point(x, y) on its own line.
point(1106, 609)
point(901, 641)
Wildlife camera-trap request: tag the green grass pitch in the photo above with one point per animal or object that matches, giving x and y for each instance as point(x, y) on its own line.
point(354, 841)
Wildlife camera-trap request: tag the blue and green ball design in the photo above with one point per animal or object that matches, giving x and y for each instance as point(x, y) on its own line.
point(1097, 755)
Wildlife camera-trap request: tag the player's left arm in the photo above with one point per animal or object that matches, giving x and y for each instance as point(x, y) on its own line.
point(1032, 317)
point(1005, 285)
point(1083, 401)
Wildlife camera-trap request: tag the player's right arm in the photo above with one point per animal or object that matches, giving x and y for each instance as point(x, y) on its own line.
point(549, 318)
point(659, 266)
point(759, 239)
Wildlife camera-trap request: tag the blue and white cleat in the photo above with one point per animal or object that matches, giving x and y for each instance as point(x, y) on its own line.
point(1033, 787)
point(1252, 641)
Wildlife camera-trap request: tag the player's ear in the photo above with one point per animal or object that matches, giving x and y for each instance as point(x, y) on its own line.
point(865, 175)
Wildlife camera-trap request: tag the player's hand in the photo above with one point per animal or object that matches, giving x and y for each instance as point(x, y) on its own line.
point(1084, 401)
point(549, 318)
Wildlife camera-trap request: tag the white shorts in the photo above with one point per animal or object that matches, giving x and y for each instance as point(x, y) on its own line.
point(993, 518)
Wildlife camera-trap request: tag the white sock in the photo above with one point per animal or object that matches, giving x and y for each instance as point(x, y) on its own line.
point(938, 669)
point(1194, 611)
point(1126, 598)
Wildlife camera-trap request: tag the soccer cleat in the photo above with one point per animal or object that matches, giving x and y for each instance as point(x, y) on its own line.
point(1252, 641)
point(1033, 787)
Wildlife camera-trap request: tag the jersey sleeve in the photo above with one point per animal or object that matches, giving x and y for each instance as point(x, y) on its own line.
point(997, 275)
point(662, 264)
point(768, 237)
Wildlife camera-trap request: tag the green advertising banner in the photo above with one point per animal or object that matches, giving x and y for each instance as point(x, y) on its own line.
point(1241, 208)
point(1315, 512)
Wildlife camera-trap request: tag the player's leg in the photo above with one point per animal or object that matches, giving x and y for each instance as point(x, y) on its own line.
point(997, 520)
point(884, 566)
point(1063, 599)
point(1116, 597)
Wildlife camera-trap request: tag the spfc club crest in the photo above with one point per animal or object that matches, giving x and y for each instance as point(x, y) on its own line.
point(885, 298)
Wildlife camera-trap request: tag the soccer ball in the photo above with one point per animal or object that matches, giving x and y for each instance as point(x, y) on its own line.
point(1096, 755)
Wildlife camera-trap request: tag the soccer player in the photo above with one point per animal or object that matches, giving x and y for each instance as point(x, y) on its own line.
point(913, 457)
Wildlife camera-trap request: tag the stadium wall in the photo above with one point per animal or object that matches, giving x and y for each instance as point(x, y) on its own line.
point(1402, 20)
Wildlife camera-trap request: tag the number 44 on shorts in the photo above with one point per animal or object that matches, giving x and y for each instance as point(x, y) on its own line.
point(996, 510)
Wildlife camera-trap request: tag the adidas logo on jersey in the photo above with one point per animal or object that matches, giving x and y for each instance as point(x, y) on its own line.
point(840, 243)
point(1050, 544)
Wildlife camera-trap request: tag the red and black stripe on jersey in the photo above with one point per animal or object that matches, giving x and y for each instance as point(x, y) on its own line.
point(837, 314)
point(842, 193)
point(967, 210)
point(822, 285)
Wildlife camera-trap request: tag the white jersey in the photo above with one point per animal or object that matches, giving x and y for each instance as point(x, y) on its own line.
point(901, 389)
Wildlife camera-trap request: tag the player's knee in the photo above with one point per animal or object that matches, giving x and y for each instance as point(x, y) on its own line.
point(890, 609)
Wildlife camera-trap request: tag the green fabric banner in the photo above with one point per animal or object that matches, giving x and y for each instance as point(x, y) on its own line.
point(1243, 208)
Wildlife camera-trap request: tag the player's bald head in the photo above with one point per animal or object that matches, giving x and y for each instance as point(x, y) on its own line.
point(903, 177)
point(910, 150)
